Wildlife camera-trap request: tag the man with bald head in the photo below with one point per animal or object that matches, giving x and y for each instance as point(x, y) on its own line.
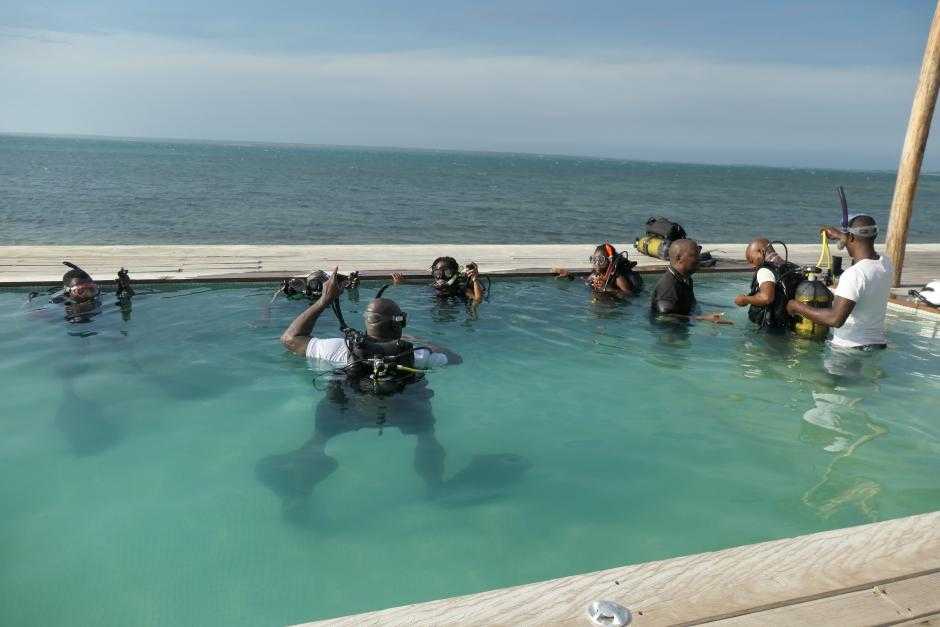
point(674, 294)
point(767, 302)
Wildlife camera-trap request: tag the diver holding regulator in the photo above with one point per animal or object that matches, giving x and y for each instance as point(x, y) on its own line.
point(449, 280)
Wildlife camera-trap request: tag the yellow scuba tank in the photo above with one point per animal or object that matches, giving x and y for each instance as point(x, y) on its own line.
point(813, 292)
point(652, 246)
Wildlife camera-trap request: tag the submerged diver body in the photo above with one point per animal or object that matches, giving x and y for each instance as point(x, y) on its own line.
point(612, 273)
point(382, 386)
point(449, 281)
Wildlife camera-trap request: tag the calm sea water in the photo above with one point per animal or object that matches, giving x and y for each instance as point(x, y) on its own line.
point(160, 470)
point(87, 191)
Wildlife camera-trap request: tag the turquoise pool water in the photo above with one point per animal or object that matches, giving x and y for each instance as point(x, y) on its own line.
point(158, 470)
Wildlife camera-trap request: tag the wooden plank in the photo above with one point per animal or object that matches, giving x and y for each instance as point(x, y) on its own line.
point(883, 604)
point(32, 265)
point(704, 587)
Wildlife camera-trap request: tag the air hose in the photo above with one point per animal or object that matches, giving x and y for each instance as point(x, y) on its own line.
point(825, 256)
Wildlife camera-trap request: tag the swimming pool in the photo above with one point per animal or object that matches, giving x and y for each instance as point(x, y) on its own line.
point(153, 470)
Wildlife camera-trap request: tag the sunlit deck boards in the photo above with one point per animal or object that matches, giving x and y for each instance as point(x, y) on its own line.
point(28, 265)
point(877, 574)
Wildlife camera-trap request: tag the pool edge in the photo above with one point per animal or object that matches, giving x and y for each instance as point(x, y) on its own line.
point(880, 573)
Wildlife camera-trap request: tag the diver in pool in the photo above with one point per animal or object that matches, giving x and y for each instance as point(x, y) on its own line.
point(773, 275)
point(382, 385)
point(449, 281)
point(81, 295)
point(674, 295)
point(612, 273)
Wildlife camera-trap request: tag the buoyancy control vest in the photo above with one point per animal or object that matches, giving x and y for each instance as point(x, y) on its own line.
point(787, 276)
point(380, 367)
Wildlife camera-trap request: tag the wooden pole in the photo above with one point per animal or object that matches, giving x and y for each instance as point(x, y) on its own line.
point(915, 142)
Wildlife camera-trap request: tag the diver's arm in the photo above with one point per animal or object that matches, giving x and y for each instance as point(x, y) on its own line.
point(296, 337)
point(398, 278)
point(763, 298)
point(475, 290)
point(562, 273)
point(834, 316)
point(452, 358)
point(621, 288)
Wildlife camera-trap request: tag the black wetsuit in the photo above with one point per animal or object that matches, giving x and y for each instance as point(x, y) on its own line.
point(673, 294)
point(775, 316)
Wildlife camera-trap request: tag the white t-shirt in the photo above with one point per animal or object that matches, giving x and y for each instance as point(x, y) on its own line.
point(764, 275)
point(868, 284)
point(334, 350)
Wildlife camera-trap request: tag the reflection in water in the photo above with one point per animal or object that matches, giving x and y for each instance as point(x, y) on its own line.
point(839, 426)
point(294, 475)
point(82, 421)
point(671, 343)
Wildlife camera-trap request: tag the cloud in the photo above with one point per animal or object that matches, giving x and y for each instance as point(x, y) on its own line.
point(677, 108)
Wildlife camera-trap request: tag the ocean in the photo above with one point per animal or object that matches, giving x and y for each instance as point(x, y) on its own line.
point(68, 190)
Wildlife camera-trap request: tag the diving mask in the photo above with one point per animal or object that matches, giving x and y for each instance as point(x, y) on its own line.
point(83, 291)
point(399, 319)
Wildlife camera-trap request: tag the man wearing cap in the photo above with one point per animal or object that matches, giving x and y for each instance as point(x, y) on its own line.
point(857, 315)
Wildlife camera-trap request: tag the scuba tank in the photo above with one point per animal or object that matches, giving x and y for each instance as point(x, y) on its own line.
point(813, 292)
point(652, 246)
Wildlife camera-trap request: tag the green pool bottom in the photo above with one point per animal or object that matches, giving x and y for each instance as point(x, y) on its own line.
point(575, 437)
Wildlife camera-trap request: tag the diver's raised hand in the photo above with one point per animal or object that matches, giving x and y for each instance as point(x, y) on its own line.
point(832, 232)
point(398, 278)
point(333, 286)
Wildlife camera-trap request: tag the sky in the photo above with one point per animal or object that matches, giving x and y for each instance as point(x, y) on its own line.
point(792, 83)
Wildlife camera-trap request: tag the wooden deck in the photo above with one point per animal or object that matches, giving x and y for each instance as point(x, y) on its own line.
point(36, 265)
point(885, 573)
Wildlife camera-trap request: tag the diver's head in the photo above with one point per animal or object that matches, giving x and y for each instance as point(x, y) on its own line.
point(78, 284)
point(859, 236)
point(755, 253)
point(683, 256)
point(445, 272)
point(602, 258)
point(384, 319)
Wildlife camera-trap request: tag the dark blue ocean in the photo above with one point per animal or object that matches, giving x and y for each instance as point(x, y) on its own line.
point(64, 190)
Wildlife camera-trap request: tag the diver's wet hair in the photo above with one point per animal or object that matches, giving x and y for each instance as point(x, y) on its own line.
point(75, 273)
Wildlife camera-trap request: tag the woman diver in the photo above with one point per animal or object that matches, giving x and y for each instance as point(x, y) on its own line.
point(449, 281)
point(612, 273)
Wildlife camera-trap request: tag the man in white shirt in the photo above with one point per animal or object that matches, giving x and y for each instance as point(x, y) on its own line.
point(857, 315)
point(348, 406)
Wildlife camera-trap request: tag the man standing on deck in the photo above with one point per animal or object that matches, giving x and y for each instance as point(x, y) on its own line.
point(857, 315)
point(673, 295)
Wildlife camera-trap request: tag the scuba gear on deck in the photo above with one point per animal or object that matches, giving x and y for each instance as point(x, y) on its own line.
point(653, 246)
point(929, 294)
point(665, 228)
point(813, 292)
point(660, 233)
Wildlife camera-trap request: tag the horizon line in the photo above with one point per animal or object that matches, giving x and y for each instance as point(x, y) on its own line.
point(260, 143)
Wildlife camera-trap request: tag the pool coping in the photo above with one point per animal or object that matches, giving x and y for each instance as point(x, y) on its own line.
point(880, 573)
point(41, 265)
